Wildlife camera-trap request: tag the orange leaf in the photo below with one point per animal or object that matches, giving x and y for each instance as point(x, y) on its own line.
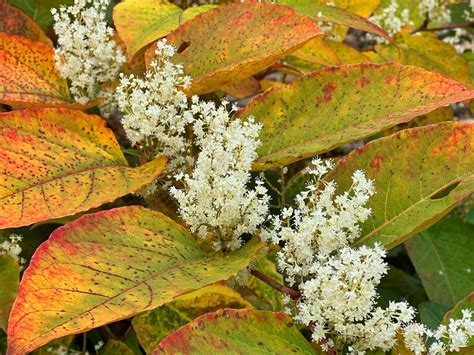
point(241, 89)
point(109, 266)
point(16, 22)
point(58, 162)
point(233, 42)
point(28, 76)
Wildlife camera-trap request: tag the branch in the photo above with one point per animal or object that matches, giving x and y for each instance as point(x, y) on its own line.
point(424, 28)
point(275, 284)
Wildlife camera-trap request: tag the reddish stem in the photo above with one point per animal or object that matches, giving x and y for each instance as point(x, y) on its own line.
point(275, 284)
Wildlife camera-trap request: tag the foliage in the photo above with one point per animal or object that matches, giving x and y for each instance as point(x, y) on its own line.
point(161, 190)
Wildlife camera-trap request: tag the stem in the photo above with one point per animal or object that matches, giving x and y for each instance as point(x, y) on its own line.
point(275, 284)
point(424, 28)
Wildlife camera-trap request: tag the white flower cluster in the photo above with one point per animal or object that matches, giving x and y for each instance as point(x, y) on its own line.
point(340, 300)
point(216, 198)
point(11, 247)
point(390, 21)
point(321, 223)
point(448, 338)
point(435, 10)
point(156, 111)
point(461, 38)
point(87, 55)
point(337, 283)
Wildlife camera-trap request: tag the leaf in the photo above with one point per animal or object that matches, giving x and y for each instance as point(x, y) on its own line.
point(441, 114)
point(322, 12)
point(398, 284)
point(28, 76)
point(334, 106)
point(428, 52)
point(140, 22)
point(58, 162)
point(442, 256)
point(154, 325)
point(40, 10)
point(9, 279)
point(242, 88)
point(263, 291)
point(431, 314)
point(57, 346)
point(347, 54)
point(116, 347)
point(456, 313)
point(191, 12)
point(362, 8)
point(233, 42)
point(465, 303)
point(16, 22)
point(118, 263)
point(234, 331)
point(419, 174)
point(317, 51)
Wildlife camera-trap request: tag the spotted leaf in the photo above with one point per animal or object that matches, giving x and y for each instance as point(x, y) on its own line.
point(28, 75)
point(154, 325)
point(333, 106)
point(108, 266)
point(58, 162)
point(140, 22)
point(428, 52)
point(322, 12)
point(237, 331)
point(16, 22)
point(233, 42)
point(419, 174)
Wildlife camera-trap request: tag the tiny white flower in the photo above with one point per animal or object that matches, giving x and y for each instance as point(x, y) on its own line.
point(86, 54)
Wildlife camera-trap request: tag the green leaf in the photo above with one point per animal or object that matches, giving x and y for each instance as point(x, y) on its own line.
point(398, 284)
point(431, 314)
point(118, 263)
point(419, 174)
point(9, 279)
point(263, 291)
point(232, 331)
point(140, 22)
point(116, 347)
point(333, 106)
point(154, 325)
point(40, 10)
point(442, 256)
point(232, 42)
